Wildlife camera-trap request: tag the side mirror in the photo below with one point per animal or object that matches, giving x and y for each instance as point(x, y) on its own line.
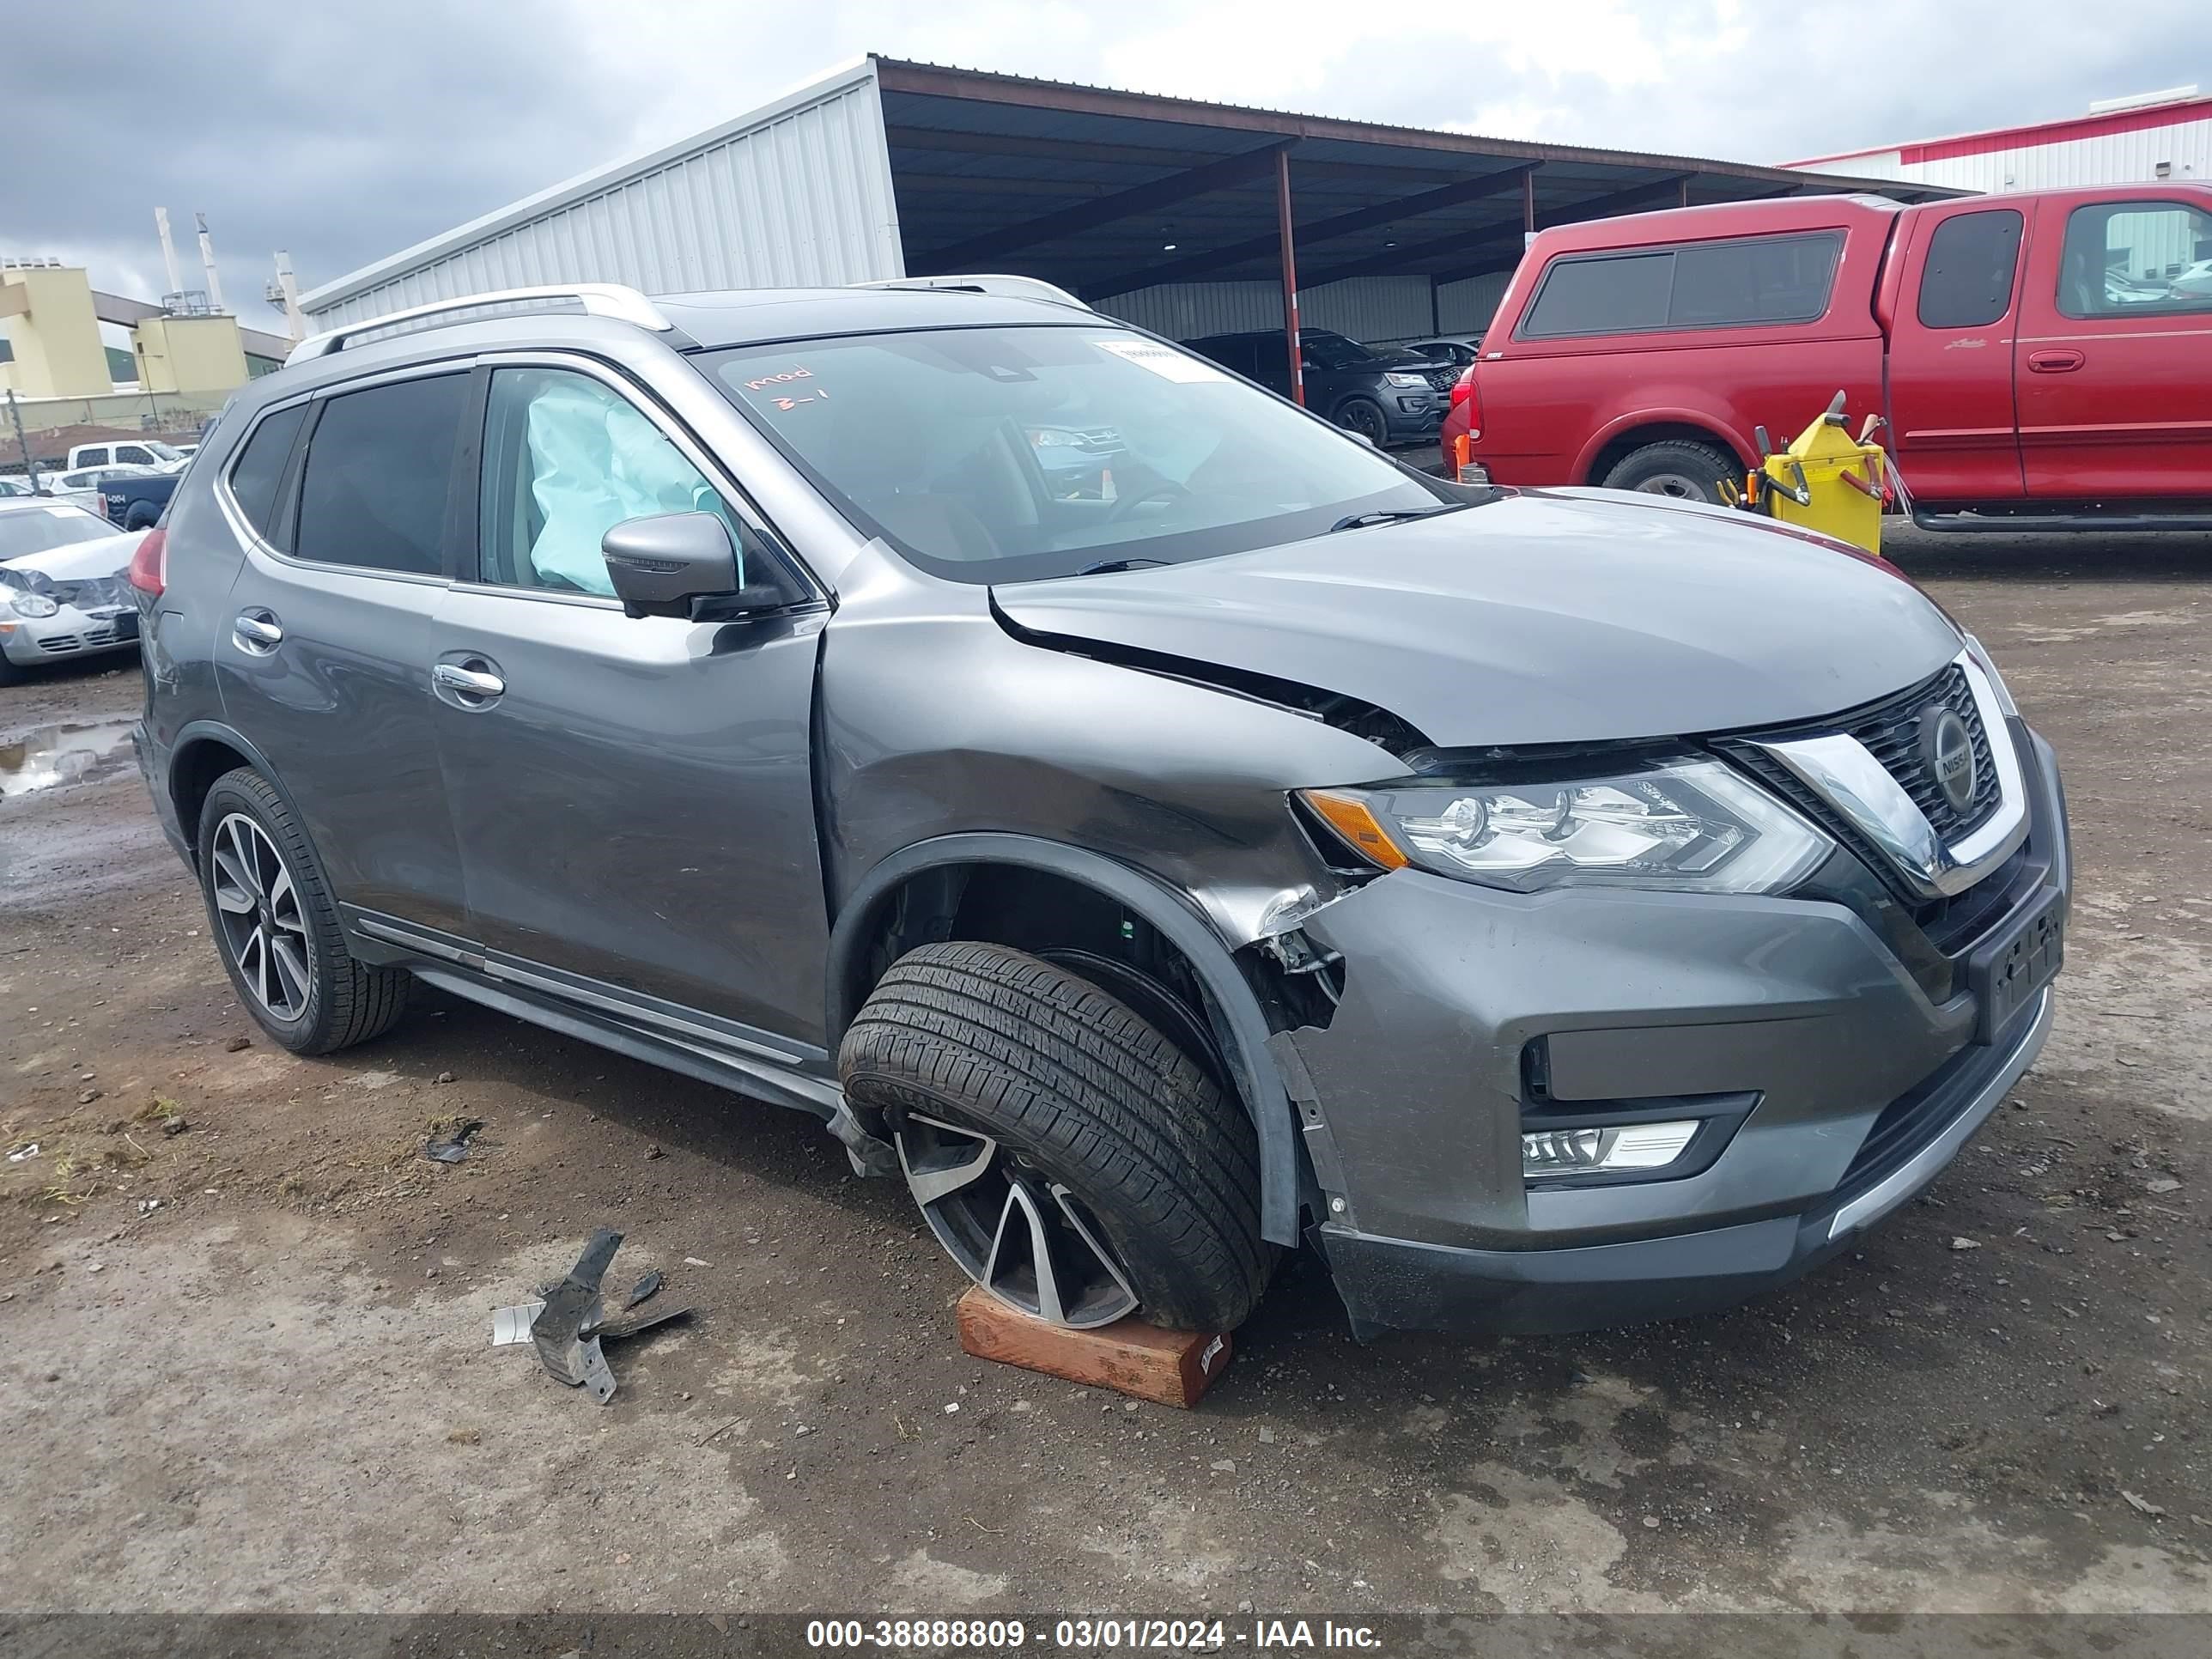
point(1357, 437)
point(682, 564)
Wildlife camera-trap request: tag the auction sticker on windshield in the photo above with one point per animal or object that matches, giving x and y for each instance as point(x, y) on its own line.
point(1163, 361)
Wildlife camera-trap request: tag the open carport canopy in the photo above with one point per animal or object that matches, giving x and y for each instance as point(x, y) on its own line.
point(1089, 188)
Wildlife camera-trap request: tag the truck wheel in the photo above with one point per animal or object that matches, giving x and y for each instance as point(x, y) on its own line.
point(274, 922)
point(1071, 1160)
point(1366, 417)
point(1686, 471)
point(140, 516)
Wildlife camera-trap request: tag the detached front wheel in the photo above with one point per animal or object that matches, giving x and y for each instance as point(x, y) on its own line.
point(1072, 1160)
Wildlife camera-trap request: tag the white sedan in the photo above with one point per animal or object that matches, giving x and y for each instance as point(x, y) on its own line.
point(63, 591)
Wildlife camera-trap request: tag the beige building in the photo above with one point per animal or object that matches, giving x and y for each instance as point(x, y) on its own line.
point(53, 334)
point(188, 353)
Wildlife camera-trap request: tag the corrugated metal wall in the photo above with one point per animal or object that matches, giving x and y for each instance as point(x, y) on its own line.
point(1378, 308)
point(800, 195)
point(2116, 158)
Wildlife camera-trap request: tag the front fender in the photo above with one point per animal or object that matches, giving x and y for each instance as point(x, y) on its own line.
point(1238, 1021)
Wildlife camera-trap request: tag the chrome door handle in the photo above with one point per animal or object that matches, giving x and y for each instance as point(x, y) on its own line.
point(257, 631)
point(468, 681)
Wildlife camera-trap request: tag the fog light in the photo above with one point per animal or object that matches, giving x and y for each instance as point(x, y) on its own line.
point(1603, 1149)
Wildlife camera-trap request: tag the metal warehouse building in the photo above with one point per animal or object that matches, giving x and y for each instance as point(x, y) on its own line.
point(1187, 218)
point(2123, 141)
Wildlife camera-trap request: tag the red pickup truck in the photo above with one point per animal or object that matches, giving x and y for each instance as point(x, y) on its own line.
point(2044, 360)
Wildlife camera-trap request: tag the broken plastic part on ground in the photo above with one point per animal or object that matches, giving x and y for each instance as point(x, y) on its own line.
point(454, 1146)
point(568, 1325)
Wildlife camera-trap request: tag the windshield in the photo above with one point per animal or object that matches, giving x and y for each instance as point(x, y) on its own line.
point(167, 451)
point(1333, 350)
point(1006, 455)
point(35, 529)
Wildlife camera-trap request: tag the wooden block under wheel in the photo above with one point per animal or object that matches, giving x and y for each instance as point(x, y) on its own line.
point(1172, 1368)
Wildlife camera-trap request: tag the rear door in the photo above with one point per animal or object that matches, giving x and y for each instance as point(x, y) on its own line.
point(1951, 354)
point(323, 652)
point(633, 796)
point(2115, 352)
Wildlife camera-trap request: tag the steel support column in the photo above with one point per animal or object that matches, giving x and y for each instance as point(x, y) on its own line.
point(1290, 275)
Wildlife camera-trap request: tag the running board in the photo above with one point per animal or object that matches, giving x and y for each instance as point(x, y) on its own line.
point(2026, 524)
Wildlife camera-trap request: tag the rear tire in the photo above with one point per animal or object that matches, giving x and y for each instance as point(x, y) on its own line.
point(1678, 469)
point(1035, 1113)
point(276, 925)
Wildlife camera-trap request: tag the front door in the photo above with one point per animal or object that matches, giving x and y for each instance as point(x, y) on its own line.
point(633, 797)
point(2115, 352)
point(1950, 356)
point(323, 655)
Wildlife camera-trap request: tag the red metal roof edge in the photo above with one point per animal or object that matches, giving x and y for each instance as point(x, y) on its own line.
point(2002, 139)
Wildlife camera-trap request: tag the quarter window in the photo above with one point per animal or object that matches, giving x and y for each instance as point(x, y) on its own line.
point(260, 468)
point(378, 476)
point(1729, 284)
point(2135, 259)
point(1971, 258)
point(566, 459)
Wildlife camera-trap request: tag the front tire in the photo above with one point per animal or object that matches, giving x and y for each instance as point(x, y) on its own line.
point(1678, 469)
point(1072, 1160)
point(1364, 416)
point(276, 926)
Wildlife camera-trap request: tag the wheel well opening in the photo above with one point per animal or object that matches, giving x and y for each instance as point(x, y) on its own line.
point(1618, 449)
point(193, 774)
point(1060, 920)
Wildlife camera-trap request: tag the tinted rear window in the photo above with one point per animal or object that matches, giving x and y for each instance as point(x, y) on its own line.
point(379, 469)
point(260, 468)
point(1967, 282)
point(1730, 284)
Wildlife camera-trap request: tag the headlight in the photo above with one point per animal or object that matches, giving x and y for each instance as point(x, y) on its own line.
point(1394, 378)
point(1688, 825)
point(32, 604)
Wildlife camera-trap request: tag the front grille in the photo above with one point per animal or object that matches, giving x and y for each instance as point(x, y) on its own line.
point(1440, 379)
point(1890, 730)
point(62, 644)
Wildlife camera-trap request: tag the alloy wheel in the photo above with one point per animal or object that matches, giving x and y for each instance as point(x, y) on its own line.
point(1023, 1237)
point(1676, 486)
point(1367, 421)
point(258, 910)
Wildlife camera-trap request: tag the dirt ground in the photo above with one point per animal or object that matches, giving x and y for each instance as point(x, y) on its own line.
point(246, 1363)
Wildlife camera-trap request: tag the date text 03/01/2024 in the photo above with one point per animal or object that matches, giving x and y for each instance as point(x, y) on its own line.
point(1161, 1635)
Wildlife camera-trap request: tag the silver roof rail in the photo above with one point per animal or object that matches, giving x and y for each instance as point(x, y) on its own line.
point(623, 304)
point(1003, 284)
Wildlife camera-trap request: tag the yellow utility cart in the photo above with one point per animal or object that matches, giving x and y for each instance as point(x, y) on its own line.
point(1824, 481)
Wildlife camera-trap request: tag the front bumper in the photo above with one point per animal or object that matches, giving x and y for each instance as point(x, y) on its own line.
point(1851, 1085)
point(69, 632)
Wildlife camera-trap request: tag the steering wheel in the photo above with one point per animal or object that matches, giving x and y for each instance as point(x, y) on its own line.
point(1127, 504)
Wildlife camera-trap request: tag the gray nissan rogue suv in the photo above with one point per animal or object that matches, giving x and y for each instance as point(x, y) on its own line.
point(1562, 908)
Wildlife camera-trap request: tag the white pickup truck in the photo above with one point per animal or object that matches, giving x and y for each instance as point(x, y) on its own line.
point(128, 451)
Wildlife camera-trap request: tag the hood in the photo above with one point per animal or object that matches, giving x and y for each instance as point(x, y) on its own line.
point(1539, 618)
point(77, 562)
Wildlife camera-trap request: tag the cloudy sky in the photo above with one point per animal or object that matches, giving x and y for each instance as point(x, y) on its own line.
point(346, 132)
